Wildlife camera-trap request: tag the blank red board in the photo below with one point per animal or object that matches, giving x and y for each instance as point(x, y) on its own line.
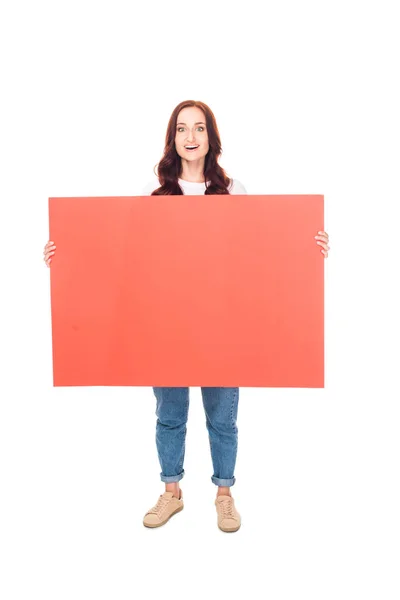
point(221, 290)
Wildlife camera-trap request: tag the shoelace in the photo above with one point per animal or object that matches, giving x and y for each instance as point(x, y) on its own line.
point(227, 509)
point(159, 507)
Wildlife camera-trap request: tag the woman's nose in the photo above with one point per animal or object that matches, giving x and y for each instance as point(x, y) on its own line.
point(190, 136)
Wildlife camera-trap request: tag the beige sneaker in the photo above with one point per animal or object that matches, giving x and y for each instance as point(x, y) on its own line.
point(228, 517)
point(167, 505)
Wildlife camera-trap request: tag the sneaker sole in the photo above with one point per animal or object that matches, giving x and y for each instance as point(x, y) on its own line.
point(230, 530)
point(166, 520)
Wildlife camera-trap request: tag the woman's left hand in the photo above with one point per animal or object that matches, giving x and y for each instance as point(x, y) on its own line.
point(324, 237)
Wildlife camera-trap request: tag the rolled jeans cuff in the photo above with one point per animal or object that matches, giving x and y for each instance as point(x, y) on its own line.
point(172, 478)
point(223, 482)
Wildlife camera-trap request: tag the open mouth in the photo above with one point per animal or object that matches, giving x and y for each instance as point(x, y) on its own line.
point(191, 148)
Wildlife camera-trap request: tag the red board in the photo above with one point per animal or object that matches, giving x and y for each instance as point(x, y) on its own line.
point(223, 290)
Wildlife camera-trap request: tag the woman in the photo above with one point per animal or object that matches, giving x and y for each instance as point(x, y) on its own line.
point(190, 166)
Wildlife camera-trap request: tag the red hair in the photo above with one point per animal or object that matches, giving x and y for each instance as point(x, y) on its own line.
point(170, 165)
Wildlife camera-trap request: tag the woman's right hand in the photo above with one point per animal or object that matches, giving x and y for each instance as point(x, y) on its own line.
point(48, 252)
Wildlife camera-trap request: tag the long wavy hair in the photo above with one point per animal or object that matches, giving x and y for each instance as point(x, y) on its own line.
point(170, 166)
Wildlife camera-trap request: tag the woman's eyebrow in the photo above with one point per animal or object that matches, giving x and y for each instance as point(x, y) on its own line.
point(198, 123)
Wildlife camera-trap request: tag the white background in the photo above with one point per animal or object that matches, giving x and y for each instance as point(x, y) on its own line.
point(305, 98)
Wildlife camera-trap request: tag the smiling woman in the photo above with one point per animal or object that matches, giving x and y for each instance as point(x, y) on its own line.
point(191, 153)
point(184, 133)
point(190, 166)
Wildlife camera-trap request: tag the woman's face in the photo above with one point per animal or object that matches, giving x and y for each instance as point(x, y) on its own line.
point(191, 131)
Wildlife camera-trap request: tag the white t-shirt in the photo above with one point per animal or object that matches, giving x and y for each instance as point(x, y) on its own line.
point(193, 188)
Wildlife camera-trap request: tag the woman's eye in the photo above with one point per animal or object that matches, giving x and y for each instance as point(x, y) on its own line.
point(181, 128)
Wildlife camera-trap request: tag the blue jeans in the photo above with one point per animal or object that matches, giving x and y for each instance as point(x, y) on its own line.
point(220, 407)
